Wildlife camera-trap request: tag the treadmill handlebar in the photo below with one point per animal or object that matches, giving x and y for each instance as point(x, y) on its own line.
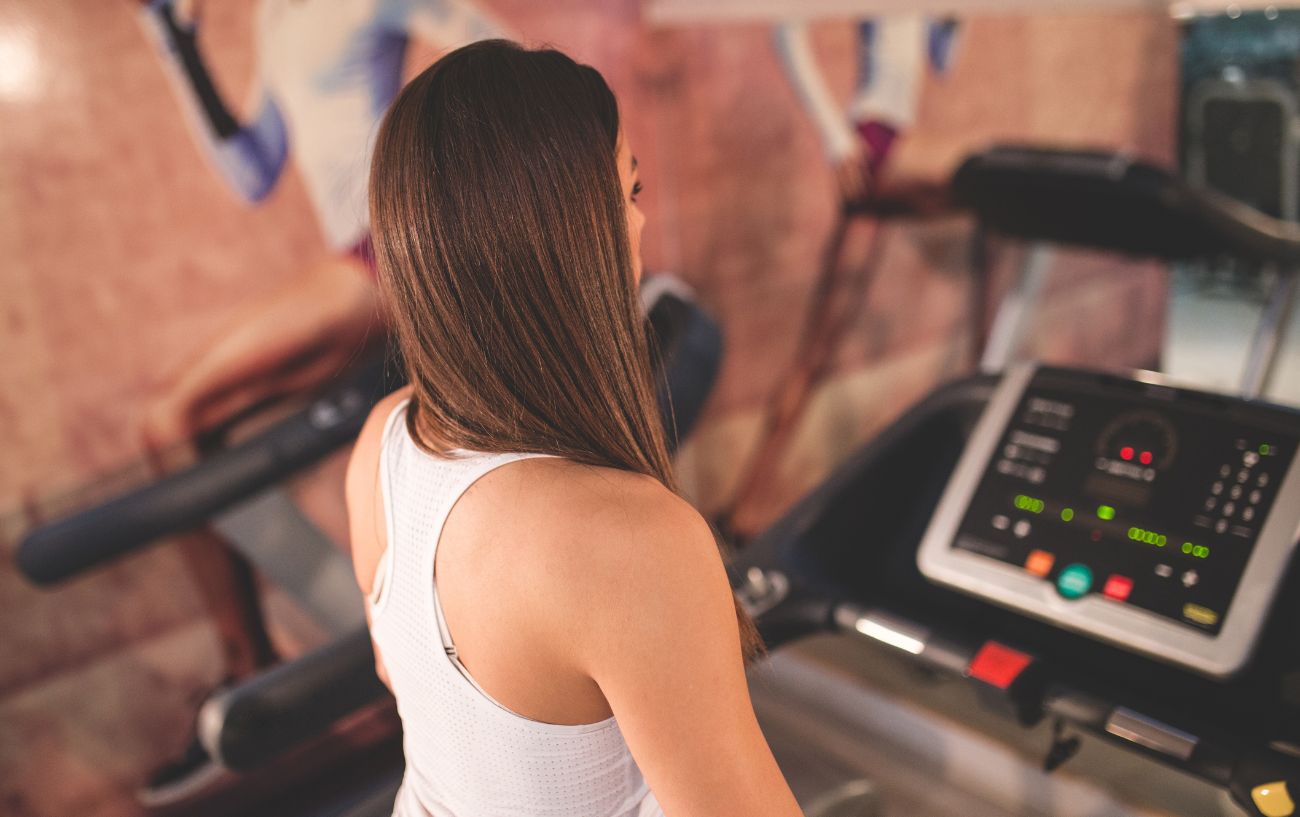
point(248, 725)
point(1112, 201)
point(77, 543)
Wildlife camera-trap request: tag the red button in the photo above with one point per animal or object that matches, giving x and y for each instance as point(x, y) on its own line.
point(998, 665)
point(1117, 587)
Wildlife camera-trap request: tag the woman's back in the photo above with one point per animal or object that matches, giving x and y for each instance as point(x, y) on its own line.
point(468, 753)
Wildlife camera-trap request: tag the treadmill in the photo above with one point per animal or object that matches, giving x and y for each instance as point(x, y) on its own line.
point(1048, 568)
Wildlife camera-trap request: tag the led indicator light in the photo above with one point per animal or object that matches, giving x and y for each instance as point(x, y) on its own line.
point(1126, 452)
point(1105, 512)
point(1266, 449)
point(1148, 536)
point(1067, 514)
point(1029, 503)
point(1145, 457)
point(1199, 551)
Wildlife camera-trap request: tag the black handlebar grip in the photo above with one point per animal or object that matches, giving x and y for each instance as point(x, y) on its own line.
point(245, 727)
point(72, 545)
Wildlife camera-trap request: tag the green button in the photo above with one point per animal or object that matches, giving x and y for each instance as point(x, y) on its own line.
point(1075, 580)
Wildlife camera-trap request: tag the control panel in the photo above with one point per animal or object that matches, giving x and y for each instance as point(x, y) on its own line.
point(1155, 517)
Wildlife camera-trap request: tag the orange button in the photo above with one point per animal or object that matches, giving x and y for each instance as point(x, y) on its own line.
point(1040, 562)
point(1117, 587)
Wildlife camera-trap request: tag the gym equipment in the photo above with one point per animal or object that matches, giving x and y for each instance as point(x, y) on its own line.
point(1123, 597)
point(80, 542)
point(258, 720)
point(1097, 200)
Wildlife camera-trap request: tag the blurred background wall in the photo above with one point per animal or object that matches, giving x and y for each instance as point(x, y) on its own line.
point(124, 254)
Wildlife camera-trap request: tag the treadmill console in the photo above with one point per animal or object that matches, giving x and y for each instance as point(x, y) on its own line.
point(1157, 518)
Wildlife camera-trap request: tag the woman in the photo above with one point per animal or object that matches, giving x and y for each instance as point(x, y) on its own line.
point(581, 652)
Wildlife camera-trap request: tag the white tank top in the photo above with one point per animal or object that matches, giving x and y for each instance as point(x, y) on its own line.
point(466, 754)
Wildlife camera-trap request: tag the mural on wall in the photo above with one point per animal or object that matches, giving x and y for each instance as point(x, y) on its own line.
point(892, 55)
point(325, 75)
point(135, 270)
point(891, 58)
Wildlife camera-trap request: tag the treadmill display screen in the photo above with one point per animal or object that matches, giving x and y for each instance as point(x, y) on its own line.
point(1145, 495)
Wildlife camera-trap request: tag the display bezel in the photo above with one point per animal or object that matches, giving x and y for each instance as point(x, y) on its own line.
point(1133, 628)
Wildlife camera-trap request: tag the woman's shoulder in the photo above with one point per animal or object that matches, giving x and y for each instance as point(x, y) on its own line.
point(579, 502)
point(584, 539)
point(584, 527)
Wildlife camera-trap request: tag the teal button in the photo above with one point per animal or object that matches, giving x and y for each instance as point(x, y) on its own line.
point(1075, 581)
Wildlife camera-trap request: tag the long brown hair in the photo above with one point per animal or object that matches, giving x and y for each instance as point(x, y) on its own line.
point(500, 234)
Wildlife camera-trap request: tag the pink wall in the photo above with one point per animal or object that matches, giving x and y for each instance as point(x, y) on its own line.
point(124, 255)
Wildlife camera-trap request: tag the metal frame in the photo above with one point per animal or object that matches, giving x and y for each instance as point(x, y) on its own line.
point(1269, 334)
point(1015, 312)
